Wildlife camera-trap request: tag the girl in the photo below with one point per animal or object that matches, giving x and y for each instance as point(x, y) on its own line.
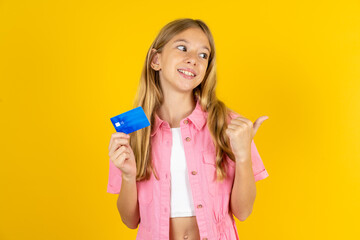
point(186, 175)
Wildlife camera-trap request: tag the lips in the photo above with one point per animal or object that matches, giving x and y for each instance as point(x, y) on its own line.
point(186, 76)
point(189, 70)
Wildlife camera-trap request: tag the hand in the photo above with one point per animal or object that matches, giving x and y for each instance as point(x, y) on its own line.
point(241, 132)
point(122, 155)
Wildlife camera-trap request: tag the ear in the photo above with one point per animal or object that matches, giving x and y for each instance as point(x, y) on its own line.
point(155, 64)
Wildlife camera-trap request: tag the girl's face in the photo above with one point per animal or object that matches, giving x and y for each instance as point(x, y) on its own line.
point(183, 62)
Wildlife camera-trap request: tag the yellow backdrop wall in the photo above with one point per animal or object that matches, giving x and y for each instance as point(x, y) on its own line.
point(66, 67)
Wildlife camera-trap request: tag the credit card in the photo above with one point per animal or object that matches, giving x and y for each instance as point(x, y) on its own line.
point(130, 121)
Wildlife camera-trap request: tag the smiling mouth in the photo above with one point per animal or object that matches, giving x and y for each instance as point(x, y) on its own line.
point(186, 76)
point(186, 73)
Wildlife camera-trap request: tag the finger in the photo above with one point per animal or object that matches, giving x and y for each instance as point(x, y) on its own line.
point(229, 131)
point(122, 151)
point(240, 120)
point(122, 158)
point(117, 148)
point(118, 135)
point(119, 141)
point(258, 122)
point(233, 126)
point(114, 148)
point(235, 123)
point(115, 154)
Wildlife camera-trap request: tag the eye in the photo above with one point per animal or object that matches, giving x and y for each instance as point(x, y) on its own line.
point(181, 46)
point(205, 55)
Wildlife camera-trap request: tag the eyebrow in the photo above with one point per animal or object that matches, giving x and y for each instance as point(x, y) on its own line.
point(183, 40)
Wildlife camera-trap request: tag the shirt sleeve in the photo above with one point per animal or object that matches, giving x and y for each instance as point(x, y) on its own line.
point(258, 167)
point(114, 182)
point(257, 164)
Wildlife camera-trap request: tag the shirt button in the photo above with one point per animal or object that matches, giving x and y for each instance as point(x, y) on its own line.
point(199, 206)
point(188, 139)
point(193, 172)
point(186, 121)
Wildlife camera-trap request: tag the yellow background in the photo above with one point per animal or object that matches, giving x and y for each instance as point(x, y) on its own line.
point(66, 67)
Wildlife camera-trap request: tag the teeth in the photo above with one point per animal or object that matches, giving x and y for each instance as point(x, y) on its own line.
point(186, 72)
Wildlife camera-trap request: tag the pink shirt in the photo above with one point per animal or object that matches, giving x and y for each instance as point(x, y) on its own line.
point(211, 199)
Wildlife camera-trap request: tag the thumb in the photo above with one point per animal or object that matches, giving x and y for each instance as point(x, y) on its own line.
point(258, 122)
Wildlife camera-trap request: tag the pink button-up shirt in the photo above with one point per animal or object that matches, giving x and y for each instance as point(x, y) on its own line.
point(211, 199)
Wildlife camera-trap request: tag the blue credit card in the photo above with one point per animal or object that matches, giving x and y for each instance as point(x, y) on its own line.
point(130, 121)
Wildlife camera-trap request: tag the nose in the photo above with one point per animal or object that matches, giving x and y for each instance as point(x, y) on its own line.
point(191, 58)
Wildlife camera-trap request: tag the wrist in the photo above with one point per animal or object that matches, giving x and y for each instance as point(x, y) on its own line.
point(243, 158)
point(128, 178)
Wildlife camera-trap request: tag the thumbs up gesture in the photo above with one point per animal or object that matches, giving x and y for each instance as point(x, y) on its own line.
point(241, 132)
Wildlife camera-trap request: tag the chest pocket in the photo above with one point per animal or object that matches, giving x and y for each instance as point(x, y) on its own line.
point(210, 171)
point(216, 188)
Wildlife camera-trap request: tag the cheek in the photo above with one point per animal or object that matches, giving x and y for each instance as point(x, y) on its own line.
point(169, 67)
point(203, 69)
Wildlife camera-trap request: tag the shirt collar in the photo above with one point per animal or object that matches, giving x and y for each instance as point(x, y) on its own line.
point(197, 117)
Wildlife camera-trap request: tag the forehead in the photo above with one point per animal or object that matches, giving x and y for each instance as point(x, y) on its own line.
point(194, 36)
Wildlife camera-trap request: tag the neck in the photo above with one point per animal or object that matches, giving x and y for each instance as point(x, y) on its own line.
point(176, 108)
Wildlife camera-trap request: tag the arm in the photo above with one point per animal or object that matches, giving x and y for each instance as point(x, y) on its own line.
point(127, 203)
point(241, 132)
point(244, 189)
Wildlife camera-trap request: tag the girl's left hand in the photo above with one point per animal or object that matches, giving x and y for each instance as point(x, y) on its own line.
point(241, 131)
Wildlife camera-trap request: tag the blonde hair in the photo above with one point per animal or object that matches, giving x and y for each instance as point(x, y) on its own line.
point(150, 97)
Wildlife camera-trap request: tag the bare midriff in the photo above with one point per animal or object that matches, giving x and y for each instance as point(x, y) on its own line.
point(184, 228)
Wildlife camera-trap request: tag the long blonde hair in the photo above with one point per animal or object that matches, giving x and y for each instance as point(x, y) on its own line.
point(150, 97)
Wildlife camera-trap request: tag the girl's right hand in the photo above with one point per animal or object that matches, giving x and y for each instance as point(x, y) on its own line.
point(122, 155)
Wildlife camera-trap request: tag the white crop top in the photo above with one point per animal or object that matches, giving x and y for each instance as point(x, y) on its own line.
point(181, 204)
